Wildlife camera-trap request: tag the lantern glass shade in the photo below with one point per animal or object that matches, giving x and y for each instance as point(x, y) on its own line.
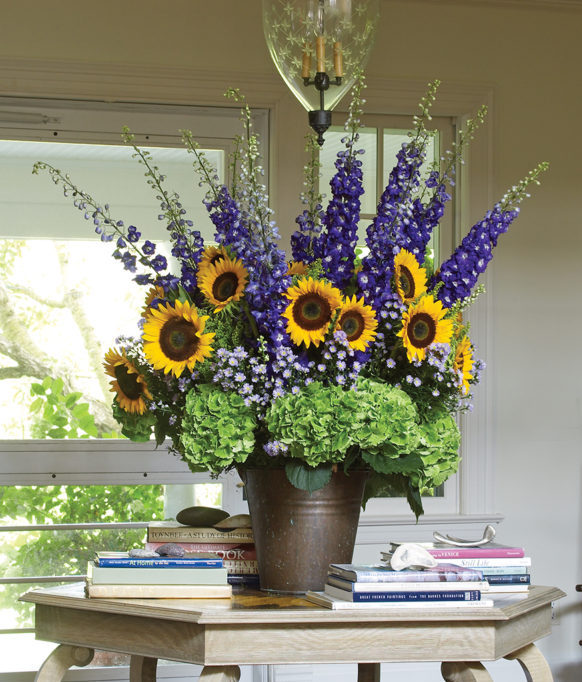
point(304, 36)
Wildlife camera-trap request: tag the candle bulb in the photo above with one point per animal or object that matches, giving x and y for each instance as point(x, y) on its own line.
point(306, 63)
point(338, 59)
point(320, 53)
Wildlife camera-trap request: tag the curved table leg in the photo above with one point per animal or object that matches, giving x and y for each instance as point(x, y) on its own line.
point(220, 673)
point(142, 669)
point(464, 672)
point(535, 666)
point(60, 660)
point(368, 672)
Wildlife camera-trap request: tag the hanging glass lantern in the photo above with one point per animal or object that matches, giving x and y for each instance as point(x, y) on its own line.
point(318, 46)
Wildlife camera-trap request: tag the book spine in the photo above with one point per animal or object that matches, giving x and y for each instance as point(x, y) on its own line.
point(241, 567)
point(249, 579)
point(504, 570)
point(406, 586)
point(484, 562)
point(158, 591)
point(453, 595)
point(208, 535)
point(477, 553)
point(509, 579)
point(412, 576)
point(224, 550)
point(119, 562)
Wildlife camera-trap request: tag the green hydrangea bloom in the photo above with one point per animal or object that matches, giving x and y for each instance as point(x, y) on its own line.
point(321, 423)
point(438, 448)
point(217, 429)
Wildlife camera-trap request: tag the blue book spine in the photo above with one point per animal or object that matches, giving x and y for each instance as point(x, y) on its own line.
point(453, 595)
point(508, 579)
point(162, 562)
point(504, 570)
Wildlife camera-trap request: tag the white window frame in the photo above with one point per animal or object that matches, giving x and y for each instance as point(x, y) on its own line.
point(30, 462)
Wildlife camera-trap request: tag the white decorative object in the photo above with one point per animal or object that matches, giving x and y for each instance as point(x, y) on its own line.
point(411, 555)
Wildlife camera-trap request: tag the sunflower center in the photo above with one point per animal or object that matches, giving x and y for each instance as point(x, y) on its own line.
point(352, 323)
point(225, 286)
point(178, 339)
point(128, 382)
point(421, 330)
point(406, 281)
point(311, 311)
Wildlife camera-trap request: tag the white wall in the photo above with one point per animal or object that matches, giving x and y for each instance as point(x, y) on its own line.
point(529, 54)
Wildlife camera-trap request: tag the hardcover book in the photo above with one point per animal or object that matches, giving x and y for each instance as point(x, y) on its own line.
point(350, 586)
point(225, 550)
point(426, 596)
point(518, 579)
point(107, 575)
point(480, 563)
point(242, 566)
point(380, 573)
point(135, 591)
point(441, 550)
point(170, 531)
point(123, 560)
point(329, 602)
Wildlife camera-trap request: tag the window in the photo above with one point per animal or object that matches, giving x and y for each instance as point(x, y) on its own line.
point(381, 139)
point(63, 300)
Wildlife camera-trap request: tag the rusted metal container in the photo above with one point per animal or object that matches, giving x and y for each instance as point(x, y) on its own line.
point(297, 534)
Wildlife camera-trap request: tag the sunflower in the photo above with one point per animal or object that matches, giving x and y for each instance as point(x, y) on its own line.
point(173, 337)
point(358, 321)
point(128, 384)
point(313, 304)
point(423, 324)
point(463, 362)
point(211, 256)
point(223, 282)
point(154, 293)
point(409, 277)
point(296, 267)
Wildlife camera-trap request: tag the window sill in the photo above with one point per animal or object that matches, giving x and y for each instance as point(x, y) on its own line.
point(383, 529)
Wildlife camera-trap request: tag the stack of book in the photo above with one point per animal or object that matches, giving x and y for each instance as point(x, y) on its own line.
point(235, 547)
point(447, 585)
point(505, 568)
point(118, 575)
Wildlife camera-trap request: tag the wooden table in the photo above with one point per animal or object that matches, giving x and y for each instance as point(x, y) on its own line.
point(257, 628)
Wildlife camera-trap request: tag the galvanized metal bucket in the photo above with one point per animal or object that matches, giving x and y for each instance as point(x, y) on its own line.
point(297, 534)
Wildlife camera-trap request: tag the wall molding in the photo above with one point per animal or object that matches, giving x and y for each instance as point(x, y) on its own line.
point(551, 5)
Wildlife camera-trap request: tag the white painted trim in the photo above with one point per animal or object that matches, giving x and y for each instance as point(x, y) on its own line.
point(527, 5)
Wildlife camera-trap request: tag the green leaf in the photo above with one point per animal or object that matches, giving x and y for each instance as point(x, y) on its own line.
point(308, 478)
point(80, 410)
point(71, 399)
point(37, 389)
point(57, 433)
point(36, 405)
point(414, 500)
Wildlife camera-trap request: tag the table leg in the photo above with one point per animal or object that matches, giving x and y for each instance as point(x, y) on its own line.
point(535, 666)
point(220, 673)
point(142, 669)
point(464, 672)
point(368, 672)
point(60, 660)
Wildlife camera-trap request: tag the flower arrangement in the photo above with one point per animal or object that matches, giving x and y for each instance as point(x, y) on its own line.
point(342, 357)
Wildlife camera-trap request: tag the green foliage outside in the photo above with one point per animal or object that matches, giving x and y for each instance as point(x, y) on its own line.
point(58, 414)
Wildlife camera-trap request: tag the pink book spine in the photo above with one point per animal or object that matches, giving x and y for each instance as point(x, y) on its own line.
point(232, 552)
point(478, 553)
